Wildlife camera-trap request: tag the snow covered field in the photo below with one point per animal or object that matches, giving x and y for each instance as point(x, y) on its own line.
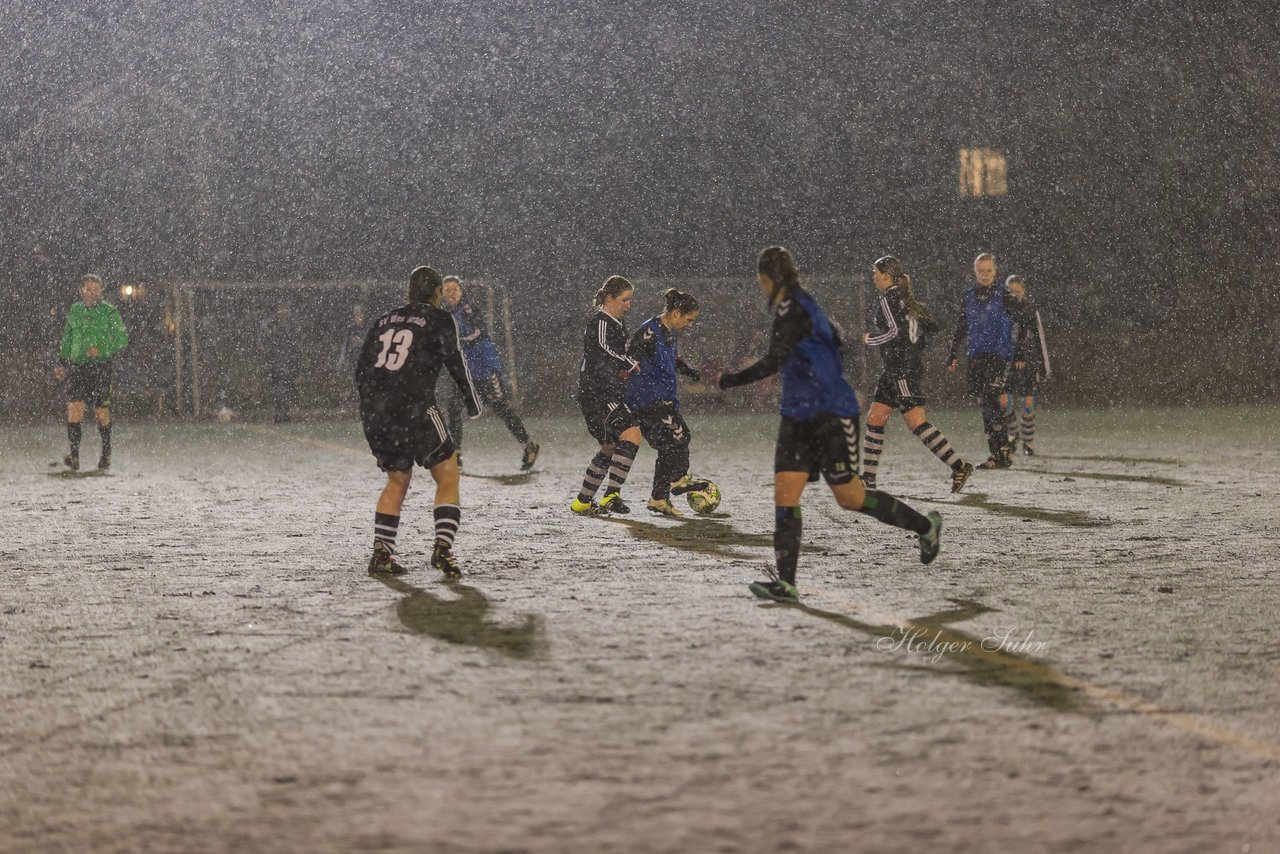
point(192, 657)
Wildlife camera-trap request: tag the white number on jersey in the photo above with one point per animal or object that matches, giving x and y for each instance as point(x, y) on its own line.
point(395, 348)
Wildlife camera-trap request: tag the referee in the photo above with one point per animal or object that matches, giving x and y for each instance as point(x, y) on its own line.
point(93, 335)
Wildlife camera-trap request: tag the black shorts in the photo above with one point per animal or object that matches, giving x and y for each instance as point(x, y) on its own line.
point(606, 419)
point(663, 426)
point(987, 373)
point(401, 439)
point(1023, 382)
point(826, 444)
point(901, 393)
point(91, 384)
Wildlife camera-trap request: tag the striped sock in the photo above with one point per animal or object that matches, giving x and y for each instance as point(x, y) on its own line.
point(385, 528)
point(448, 518)
point(872, 446)
point(938, 444)
point(1028, 426)
point(595, 474)
point(624, 454)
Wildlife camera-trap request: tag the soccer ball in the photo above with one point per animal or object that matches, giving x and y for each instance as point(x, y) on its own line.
point(225, 415)
point(704, 501)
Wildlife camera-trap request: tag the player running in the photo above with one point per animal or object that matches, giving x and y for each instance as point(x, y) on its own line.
point(651, 394)
point(1030, 364)
point(93, 336)
point(819, 428)
point(900, 330)
point(988, 324)
point(605, 369)
point(396, 377)
point(486, 372)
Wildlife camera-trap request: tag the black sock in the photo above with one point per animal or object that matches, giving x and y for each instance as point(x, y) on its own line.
point(104, 433)
point(514, 425)
point(595, 474)
point(624, 454)
point(885, 508)
point(385, 527)
point(786, 541)
point(73, 435)
point(448, 518)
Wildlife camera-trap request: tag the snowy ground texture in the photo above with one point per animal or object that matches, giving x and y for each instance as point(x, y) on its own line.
point(192, 657)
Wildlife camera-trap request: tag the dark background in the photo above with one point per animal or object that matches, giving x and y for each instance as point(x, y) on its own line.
point(544, 145)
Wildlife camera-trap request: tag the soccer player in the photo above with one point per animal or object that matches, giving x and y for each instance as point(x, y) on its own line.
point(282, 340)
point(92, 337)
point(396, 377)
point(988, 323)
point(601, 378)
point(1030, 364)
point(651, 394)
point(486, 371)
point(901, 327)
point(819, 428)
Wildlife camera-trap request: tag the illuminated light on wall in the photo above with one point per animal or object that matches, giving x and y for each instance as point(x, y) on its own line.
point(983, 172)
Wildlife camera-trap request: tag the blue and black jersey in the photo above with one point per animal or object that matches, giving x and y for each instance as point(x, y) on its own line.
point(478, 348)
point(806, 348)
point(653, 347)
point(988, 322)
point(898, 336)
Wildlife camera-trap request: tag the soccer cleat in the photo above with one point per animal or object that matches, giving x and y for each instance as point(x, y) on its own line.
point(613, 503)
point(72, 461)
point(869, 481)
point(384, 561)
point(531, 449)
point(960, 476)
point(688, 483)
point(777, 591)
point(663, 507)
point(442, 559)
point(1005, 460)
point(932, 541)
point(104, 462)
point(991, 463)
point(587, 508)
point(1027, 450)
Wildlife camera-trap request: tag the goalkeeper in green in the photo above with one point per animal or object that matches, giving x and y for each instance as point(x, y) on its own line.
point(92, 337)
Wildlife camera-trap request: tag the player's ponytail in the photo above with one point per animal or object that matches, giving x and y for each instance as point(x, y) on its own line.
point(614, 286)
point(779, 265)
point(892, 267)
point(679, 302)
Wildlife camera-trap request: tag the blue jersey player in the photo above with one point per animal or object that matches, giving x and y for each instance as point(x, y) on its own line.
point(988, 324)
point(651, 394)
point(819, 428)
point(486, 372)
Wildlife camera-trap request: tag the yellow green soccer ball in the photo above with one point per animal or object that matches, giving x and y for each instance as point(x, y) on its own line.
point(704, 501)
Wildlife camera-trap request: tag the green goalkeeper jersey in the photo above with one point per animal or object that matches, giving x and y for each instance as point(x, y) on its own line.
point(100, 326)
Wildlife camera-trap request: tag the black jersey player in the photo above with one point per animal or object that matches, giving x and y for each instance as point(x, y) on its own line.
point(601, 381)
point(396, 377)
point(1030, 364)
point(819, 428)
point(900, 330)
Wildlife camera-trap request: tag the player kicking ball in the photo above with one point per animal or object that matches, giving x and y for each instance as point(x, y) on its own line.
point(396, 377)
